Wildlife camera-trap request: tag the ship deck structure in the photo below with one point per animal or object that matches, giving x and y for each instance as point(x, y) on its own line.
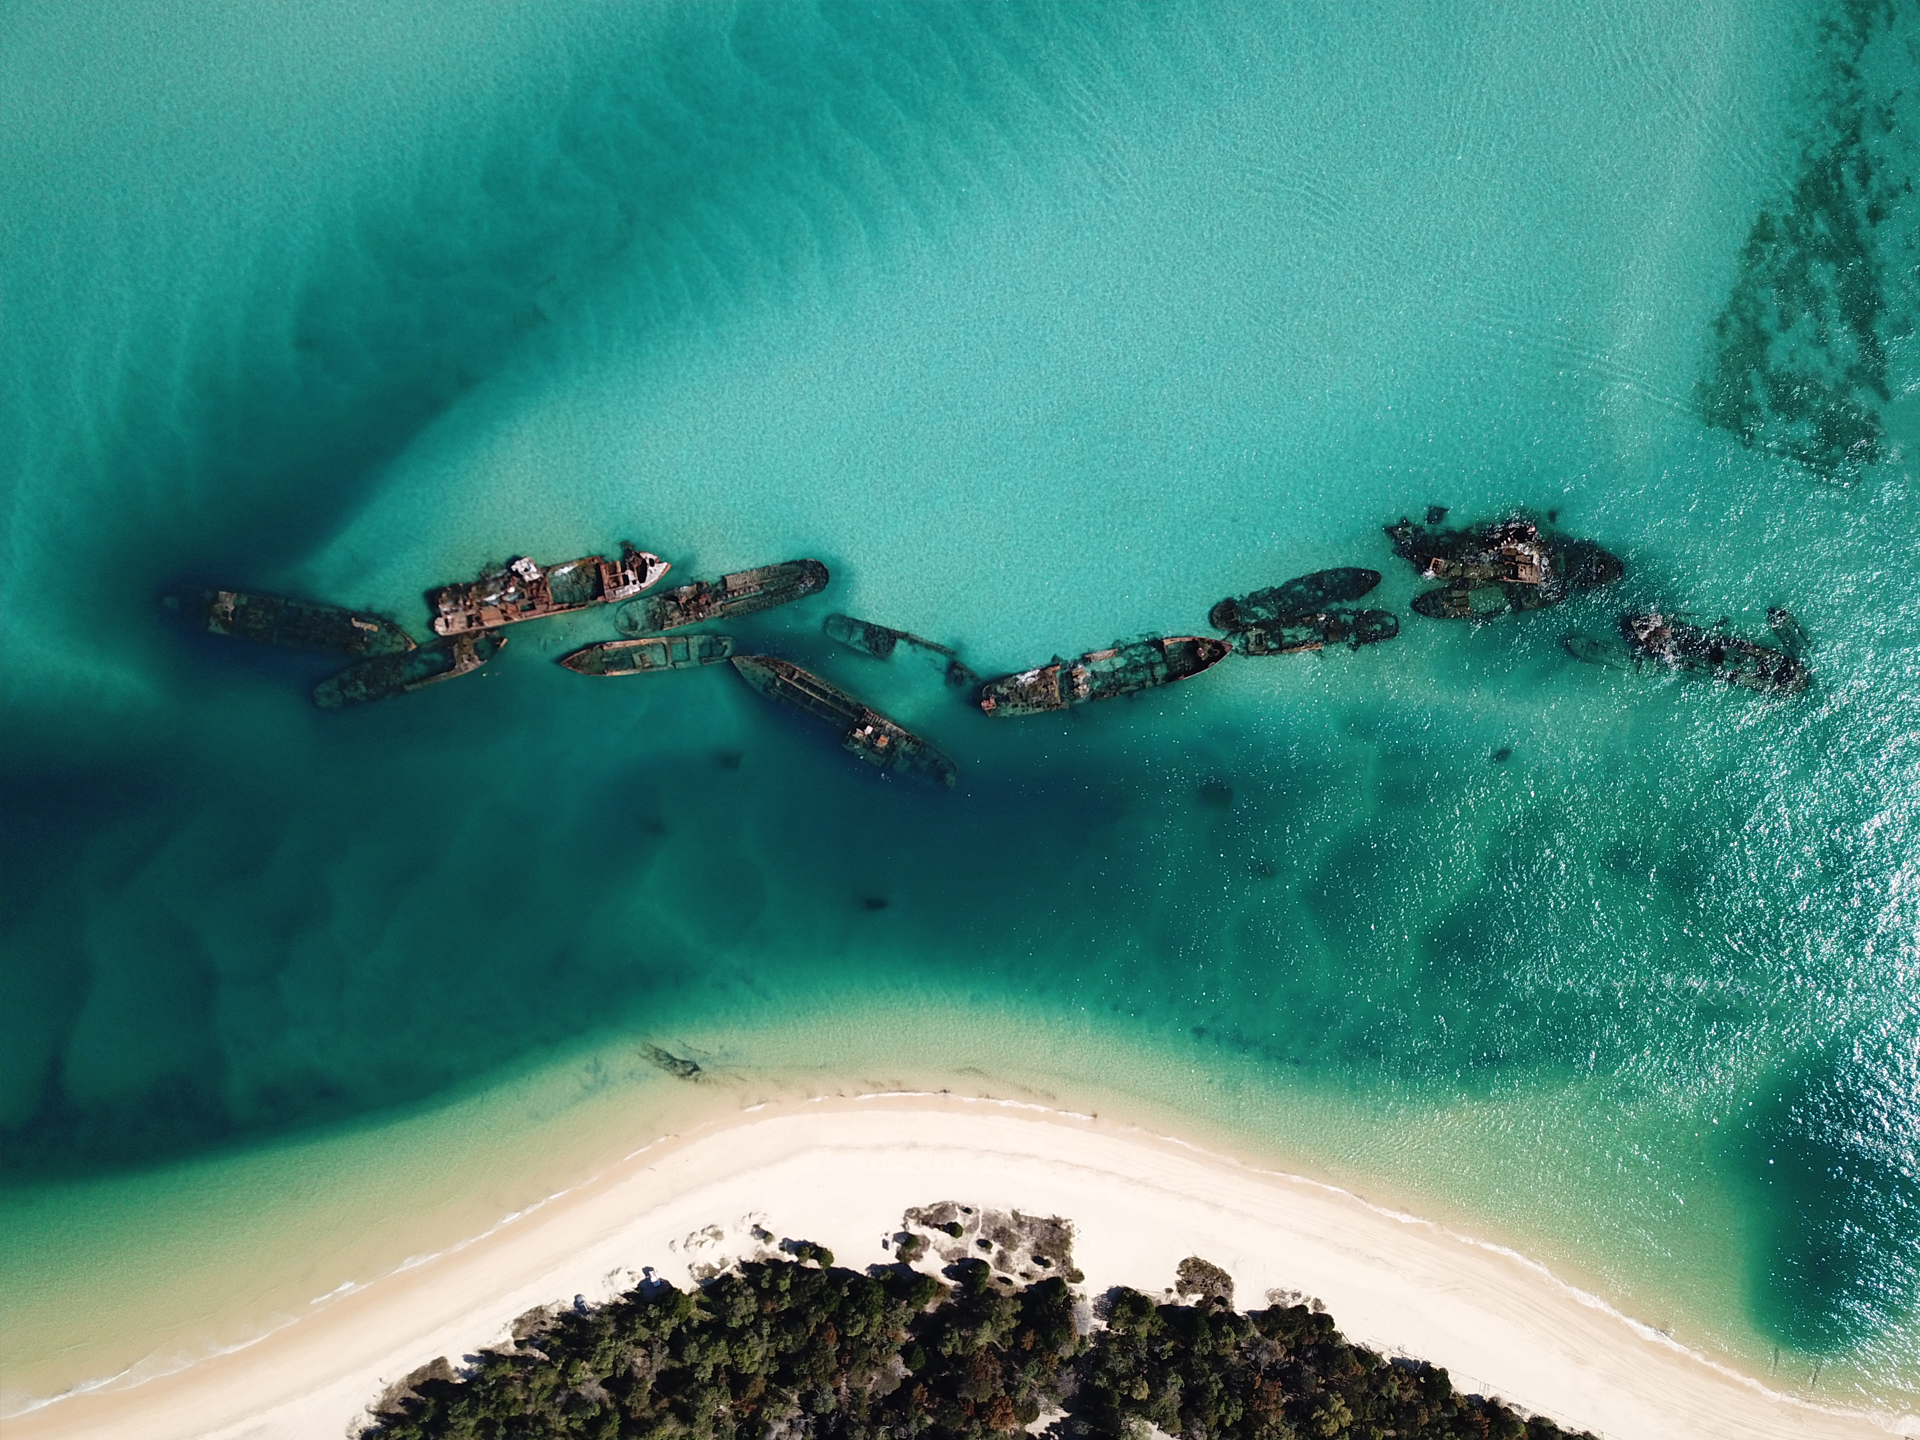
point(523, 590)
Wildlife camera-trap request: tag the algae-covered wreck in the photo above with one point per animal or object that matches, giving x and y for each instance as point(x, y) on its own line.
point(387, 675)
point(297, 624)
point(1302, 633)
point(1306, 595)
point(863, 730)
point(1659, 642)
point(881, 641)
point(649, 655)
point(1306, 613)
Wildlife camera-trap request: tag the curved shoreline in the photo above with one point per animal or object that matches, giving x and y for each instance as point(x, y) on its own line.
point(840, 1170)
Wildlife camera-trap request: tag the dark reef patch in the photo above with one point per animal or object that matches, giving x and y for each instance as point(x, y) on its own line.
point(1215, 795)
point(1799, 365)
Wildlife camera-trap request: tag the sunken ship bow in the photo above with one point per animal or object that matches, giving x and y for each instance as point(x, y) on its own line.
point(863, 730)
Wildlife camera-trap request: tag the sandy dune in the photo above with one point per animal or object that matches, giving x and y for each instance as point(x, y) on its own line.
point(841, 1172)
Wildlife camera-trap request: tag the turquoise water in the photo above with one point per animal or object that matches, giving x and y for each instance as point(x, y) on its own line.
point(1040, 326)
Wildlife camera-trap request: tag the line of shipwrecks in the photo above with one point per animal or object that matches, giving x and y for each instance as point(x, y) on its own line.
point(1484, 571)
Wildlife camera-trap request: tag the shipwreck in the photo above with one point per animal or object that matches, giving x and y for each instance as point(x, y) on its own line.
point(880, 642)
point(1126, 668)
point(1497, 568)
point(383, 676)
point(298, 624)
point(863, 730)
point(1302, 633)
point(1307, 595)
point(741, 593)
point(521, 590)
point(649, 655)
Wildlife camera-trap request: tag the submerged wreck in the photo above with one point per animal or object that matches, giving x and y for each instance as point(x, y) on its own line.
point(864, 731)
point(1462, 602)
point(1124, 669)
point(1787, 630)
point(522, 590)
point(741, 593)
point(1307, 595)
point(880, 641)
point(1352, 628)
point(1497, 568)
point(387, 675)
point(298, 624)
point(1653, 641)
point(649, 655)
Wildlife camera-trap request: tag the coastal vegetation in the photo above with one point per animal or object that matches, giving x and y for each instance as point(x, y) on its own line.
point(782, 1348)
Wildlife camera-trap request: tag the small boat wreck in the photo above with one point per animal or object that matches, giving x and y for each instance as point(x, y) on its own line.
point(297, 624)
point(1123, 669)
point(1307, 595)
point(1461, 602)
point(880, 641)
point(521, 590)
point(1788, 631)
point(649, 655)
point(1670, 644)
point(387, 675)
point(1352, 628)
point(1529, 568)
point(864, 731)
point(741, 593)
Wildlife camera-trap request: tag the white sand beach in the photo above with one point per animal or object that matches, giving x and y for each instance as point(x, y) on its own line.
point(841, 1171)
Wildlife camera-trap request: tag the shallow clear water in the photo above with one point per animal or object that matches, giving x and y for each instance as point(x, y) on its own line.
point(1040, 326)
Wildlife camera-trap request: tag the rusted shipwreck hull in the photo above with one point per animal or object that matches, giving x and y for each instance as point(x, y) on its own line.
point(1306, 595)
point(298, 624)
point(521, 590)
point(650, 655)
point(1123, 669)
point(741, 593)
point(864, 731)
point(387, 675)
